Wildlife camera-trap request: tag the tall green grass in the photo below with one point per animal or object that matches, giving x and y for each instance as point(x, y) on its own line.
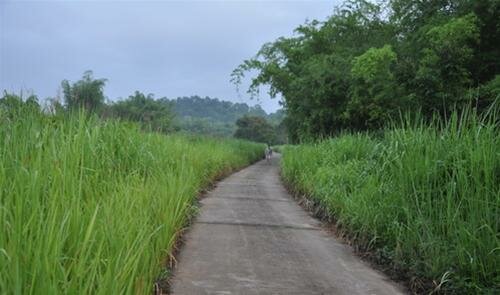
point(93, 207)
point(425, 198)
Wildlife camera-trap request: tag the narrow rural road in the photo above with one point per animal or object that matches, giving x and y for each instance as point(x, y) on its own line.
point(252, 238)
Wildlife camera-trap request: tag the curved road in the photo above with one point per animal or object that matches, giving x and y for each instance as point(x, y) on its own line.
point(252, 238)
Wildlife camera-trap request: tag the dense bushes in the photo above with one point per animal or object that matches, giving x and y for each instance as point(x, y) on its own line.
point(426, 198)
point(94, 207)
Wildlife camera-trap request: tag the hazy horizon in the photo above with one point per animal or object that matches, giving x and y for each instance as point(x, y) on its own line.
point(168, 48)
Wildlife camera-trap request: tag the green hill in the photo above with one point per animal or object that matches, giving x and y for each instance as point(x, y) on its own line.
point(212, 116)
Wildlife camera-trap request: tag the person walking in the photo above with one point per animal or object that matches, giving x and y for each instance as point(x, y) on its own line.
point(268, 152)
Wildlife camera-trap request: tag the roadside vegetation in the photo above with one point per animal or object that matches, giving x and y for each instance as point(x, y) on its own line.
point(93, 206)
point(424, 199)
point(94, 193)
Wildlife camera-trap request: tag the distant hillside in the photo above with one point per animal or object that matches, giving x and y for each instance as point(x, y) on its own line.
point(216, 117)
point(213, 108)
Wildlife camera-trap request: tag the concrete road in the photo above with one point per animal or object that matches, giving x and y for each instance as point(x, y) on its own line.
point(252, 238)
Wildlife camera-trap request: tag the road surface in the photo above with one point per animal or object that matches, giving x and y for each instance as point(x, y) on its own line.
point(251, 237)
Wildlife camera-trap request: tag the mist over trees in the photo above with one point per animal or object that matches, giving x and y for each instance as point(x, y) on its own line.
point(368, 62)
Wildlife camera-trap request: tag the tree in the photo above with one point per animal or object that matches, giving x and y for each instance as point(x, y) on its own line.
point(215, 109)
point(13, 103)
point(374, 93)
point(86, 93)
point(215, 117)
point(368, 62)
point(256, 129)
point(443, 72)
point(312, 71)
point(153, 114)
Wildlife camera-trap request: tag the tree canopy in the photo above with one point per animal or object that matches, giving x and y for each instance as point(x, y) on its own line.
point(216, 117)
point(368, 62)
point(255, 128)
point(154, 114)
point(213, 108)
point(87, 93)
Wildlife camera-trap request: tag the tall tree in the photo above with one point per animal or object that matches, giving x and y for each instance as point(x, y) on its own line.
point(312, 71)
point(374, 93)
point(86, 93)
point(368, 62)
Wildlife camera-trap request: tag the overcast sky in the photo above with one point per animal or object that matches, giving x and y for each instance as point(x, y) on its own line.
point(169, 48)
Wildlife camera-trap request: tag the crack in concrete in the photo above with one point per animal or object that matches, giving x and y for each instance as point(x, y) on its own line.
point(281, 226)
point(271, 186)
point(252, 199)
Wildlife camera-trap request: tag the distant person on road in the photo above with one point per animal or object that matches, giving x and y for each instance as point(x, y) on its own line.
point(269, 153)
